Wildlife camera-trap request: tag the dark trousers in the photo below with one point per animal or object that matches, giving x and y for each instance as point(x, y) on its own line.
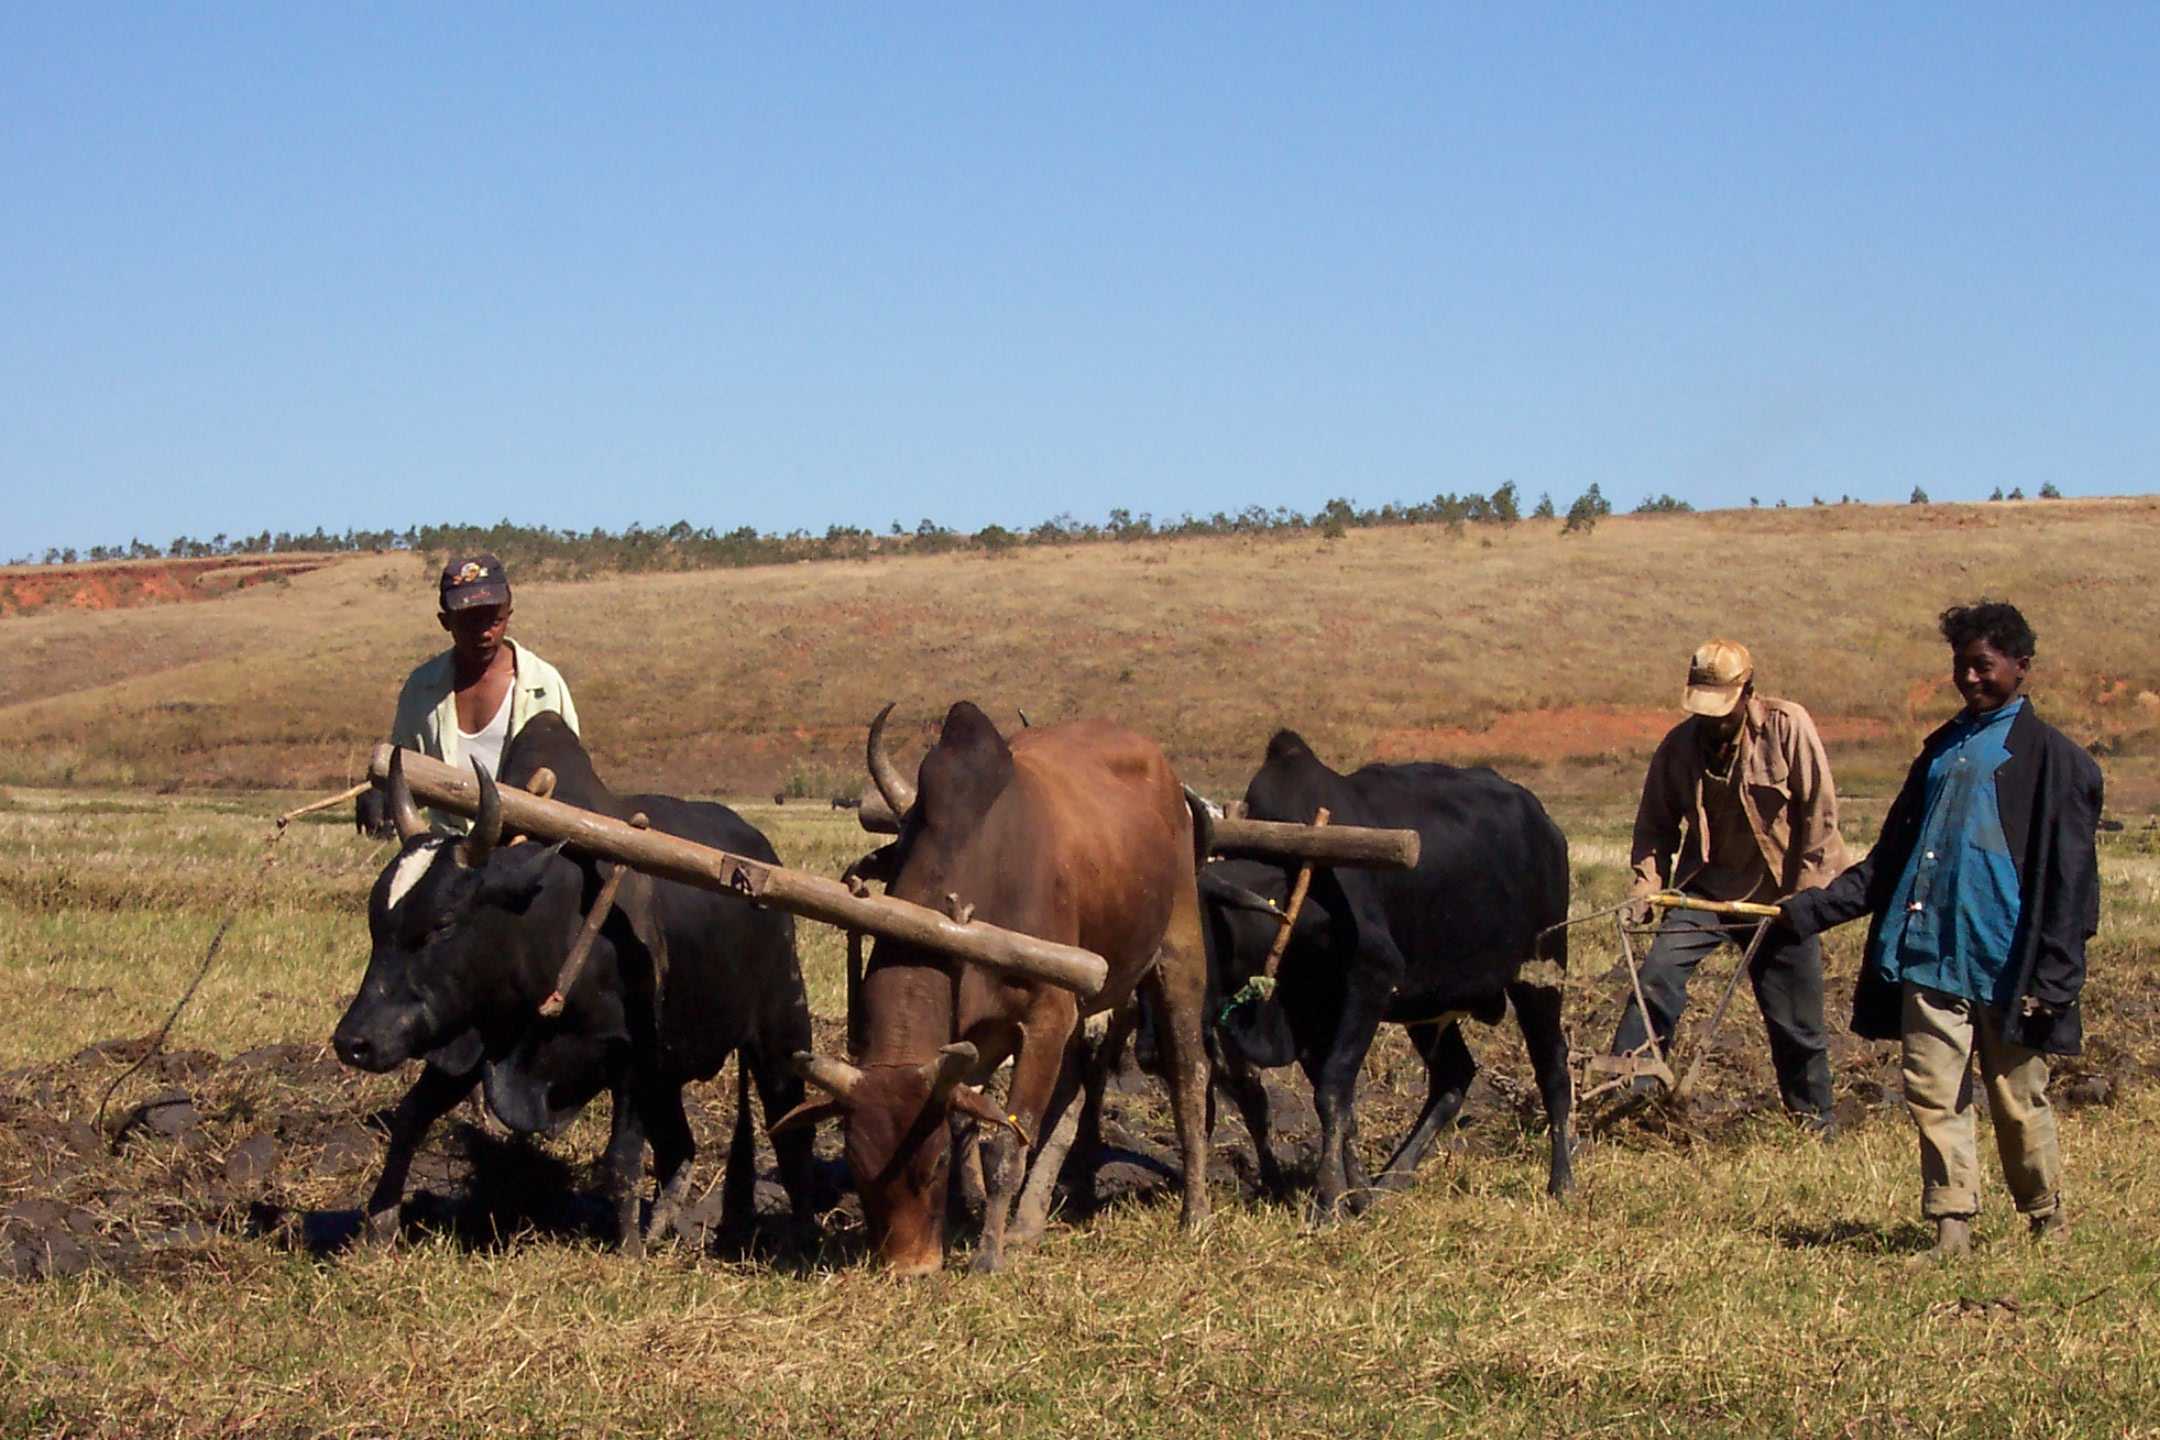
point(1788, 989)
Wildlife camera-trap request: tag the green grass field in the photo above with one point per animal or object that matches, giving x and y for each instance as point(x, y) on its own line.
point(1748, 1282)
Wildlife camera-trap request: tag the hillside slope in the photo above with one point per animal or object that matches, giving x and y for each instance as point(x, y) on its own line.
point(1520, 645)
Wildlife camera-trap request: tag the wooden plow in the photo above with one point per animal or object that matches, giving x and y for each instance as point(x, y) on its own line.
point(814, 897)
point(1600, 1075)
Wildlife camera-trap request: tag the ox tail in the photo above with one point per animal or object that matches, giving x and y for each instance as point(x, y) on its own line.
point(738, 1193)
point(1551, 944)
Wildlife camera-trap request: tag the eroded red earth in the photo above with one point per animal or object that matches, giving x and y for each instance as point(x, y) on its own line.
point(30, 589)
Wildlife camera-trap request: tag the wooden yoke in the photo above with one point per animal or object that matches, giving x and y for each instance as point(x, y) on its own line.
point(1361, 846)
point(814, 897)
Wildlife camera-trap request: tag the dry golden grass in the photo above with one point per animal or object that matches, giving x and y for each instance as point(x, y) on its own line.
point(1520, 644)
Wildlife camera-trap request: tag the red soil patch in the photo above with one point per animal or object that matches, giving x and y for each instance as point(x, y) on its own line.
point(27, 590)
point(1574, 732)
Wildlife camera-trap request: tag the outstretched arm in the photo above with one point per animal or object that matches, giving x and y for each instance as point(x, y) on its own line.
point(1657, 823)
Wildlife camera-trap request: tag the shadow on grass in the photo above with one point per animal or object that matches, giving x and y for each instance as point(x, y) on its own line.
point(516, 1194)
point(1871, 1237)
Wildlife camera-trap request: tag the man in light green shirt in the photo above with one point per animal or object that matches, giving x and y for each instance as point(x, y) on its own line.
point(466, 703)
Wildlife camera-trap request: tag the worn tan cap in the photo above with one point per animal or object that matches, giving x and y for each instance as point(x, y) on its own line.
point(1716, 675)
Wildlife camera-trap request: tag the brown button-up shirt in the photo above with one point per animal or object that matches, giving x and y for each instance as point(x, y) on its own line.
point(1781, 783)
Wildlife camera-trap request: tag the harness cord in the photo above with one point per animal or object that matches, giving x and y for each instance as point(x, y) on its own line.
point(217, 943)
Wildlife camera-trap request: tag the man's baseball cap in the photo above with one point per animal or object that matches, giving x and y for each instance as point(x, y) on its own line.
point(1716, 675)
point(471, 579)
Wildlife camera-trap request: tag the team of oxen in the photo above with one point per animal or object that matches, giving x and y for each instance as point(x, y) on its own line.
point(1037, 879)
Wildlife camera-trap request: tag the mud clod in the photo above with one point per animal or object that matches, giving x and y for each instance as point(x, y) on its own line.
point(251, 1161)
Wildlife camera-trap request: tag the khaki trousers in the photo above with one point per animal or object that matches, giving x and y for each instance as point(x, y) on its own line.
point(1940, 1032)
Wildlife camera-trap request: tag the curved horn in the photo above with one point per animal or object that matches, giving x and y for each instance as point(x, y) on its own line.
point(836, 1077)
point(402, 809)
point(487, 830)
point(891, 784)
point(951, 1067)
point(1203, 825)
point(811, 1114)
point(542, 783)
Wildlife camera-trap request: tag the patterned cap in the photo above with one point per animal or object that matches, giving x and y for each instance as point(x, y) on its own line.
point(1716, 675)
point(477, 578)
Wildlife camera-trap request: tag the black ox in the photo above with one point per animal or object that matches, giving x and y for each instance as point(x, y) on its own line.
point(469, 936)
point(1423, 948)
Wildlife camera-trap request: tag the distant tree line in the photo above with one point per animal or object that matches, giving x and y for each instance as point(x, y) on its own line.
point(542, 550)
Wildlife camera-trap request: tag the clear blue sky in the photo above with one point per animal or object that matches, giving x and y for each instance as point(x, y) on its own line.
point(792, 265)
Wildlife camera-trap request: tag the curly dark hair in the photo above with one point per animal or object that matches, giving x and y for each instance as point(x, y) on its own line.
point(1994, 621)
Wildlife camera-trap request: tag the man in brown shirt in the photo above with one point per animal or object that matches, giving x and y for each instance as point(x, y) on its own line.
point(1738, 805)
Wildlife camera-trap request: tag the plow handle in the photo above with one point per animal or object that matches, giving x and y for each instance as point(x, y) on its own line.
point(1667, 900)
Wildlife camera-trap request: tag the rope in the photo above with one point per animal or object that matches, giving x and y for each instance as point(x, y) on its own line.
point(1585, 919)
point(217, 943)
point(1260, 988)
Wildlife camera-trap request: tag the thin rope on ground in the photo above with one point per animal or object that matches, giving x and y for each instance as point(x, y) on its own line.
point(217, 942)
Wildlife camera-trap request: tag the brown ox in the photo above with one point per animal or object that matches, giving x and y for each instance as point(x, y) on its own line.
point(1078, 833)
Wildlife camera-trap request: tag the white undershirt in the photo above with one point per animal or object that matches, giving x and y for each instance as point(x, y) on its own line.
point(487, 746)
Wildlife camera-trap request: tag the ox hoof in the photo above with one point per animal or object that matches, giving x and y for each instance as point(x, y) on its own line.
point(380, 1229)
point(986, 1262)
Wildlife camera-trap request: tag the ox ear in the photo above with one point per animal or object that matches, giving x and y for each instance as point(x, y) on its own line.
point(461, 1056)
point(638, 905)
point(514, 876)
point(966, 770)
point(808, 1115)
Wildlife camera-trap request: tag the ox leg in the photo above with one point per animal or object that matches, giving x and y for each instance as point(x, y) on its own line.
point(674, 1148)
point(1375, 973)
point(1036, 1071)
point(1537, 1012)
point(626, 1168)
point(1449, 1069)
point(1061, 1124)
point(780, 1090)
point(1248, 1090)
point(1109, 1054)
point(1176, 990)
point(435, 1094)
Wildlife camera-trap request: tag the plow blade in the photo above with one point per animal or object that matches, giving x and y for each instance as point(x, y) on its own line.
point(814, 897)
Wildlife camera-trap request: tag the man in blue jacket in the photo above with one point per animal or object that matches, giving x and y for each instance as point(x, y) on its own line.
point(1983, 890)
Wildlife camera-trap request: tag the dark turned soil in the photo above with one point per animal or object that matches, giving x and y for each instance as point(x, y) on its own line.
point(277, 1146)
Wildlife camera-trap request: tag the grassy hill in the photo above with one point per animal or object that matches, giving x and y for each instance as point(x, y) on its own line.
point(1518, 645)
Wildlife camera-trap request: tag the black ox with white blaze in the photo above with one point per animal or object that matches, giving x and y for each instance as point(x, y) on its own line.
point(1424, 948)
point(469, 936)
